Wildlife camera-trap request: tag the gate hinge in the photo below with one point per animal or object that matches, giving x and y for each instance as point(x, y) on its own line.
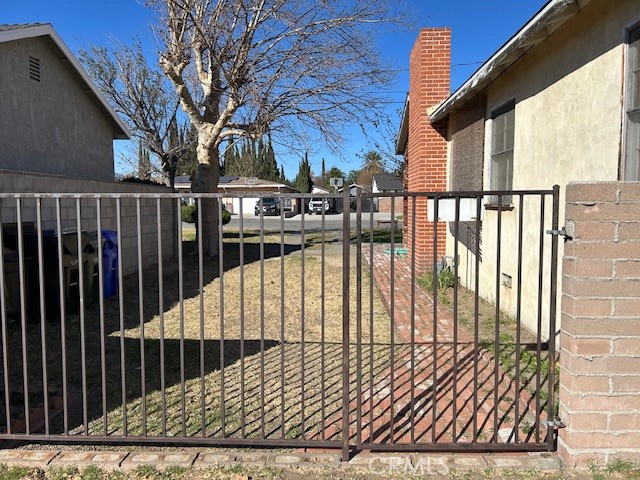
point(560, 233)
point(555, 424)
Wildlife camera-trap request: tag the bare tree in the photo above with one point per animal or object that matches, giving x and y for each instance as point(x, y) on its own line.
point(142, 96)
point(248, 67)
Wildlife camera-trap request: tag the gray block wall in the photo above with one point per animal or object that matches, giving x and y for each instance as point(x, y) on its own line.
point(12, 182)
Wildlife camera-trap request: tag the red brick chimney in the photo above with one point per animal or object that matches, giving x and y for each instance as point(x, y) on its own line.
point(426, 148)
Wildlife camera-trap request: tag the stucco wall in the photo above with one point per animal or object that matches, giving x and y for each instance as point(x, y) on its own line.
point(18, 183)
point(567, 128)
point(51, 126)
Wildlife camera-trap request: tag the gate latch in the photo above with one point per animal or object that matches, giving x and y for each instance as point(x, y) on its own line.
point(560, 233)
point(555, 424)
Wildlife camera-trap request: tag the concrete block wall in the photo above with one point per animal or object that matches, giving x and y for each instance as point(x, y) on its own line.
point(426, 151)
point(16, 182)
point(600, 335)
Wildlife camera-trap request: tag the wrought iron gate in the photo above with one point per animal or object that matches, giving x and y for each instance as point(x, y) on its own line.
point(343, 330)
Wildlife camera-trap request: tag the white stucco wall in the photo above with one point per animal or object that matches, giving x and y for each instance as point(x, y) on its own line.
point(568, 93)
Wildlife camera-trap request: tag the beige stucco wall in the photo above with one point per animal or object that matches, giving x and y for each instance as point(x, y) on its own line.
point(567, 128)
point(51, 126)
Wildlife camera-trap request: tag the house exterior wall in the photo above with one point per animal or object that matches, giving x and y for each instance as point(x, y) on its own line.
point(426, 149)
point(12, 182)
point(567, 128)
point(51, 126)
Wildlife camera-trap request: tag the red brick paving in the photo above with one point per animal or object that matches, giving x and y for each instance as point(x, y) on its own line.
point(465, 377)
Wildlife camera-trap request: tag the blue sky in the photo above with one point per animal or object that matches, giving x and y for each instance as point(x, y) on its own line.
point(479, 29)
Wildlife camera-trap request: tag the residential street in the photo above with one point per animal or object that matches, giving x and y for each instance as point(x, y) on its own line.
point(333, 222)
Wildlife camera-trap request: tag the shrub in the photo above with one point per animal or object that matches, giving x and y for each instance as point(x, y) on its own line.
point(190, 214)
point(143, 181)
point(226, 216)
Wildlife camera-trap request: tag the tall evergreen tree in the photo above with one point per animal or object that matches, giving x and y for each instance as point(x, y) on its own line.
point(144, 162)
point(303, 182)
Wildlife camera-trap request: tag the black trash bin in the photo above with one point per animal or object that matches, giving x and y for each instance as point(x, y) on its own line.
point(90, 266)
point(110, 263)
point(70, 272)
point(11, 296)
point(12, 278)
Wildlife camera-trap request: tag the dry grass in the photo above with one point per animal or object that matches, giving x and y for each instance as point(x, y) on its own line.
point(302, 389)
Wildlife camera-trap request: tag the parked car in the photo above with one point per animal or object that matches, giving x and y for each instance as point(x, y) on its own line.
point(317, 205)
point(270, 206)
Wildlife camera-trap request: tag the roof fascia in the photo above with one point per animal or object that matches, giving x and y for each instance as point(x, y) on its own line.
point(537, 29)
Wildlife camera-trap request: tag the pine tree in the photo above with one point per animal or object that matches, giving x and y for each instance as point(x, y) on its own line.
point(144, 162)
point(188, 161)
point(303, 182)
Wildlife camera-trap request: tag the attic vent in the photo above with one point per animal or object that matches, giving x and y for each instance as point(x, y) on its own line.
point(34, 68)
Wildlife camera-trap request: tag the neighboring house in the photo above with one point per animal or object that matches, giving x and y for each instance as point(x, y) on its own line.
point(366, 203)
point(53, 119)
point(557, 103)
point(353, 189)
point(242, 185)
point(386, 183)
point(182, 184)
point(253, 188)
point(320, 190)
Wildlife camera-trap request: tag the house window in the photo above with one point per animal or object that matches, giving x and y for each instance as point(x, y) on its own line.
point(502, 134)
point(631, 168)
point(34, 68)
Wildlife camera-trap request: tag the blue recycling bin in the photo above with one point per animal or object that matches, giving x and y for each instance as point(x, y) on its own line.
point(110, 263)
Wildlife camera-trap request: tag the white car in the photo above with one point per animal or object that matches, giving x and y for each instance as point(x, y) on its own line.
point(317, 205)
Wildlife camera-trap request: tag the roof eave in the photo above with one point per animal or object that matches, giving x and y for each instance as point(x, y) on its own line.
point(536, 30)
point(120, 130)
point(403, 133)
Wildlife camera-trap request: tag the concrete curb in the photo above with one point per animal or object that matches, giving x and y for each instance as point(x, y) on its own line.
point(371, 462)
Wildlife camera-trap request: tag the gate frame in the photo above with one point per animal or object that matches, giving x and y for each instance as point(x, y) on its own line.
point(344, 443)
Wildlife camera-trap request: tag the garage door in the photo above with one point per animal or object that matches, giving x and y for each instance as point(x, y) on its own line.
point(248, 204)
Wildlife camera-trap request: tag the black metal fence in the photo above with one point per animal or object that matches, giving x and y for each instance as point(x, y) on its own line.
point(294, 330)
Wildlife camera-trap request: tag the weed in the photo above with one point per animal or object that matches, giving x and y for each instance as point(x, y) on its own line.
point(616, 469)
point(14, 473)
point(93, 473)
point(445, 280)
point(63, 473)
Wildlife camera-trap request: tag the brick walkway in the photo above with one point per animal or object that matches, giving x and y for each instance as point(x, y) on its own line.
point(458, 379)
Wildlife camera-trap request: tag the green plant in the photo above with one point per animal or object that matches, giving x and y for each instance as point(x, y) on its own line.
point(190, 214)
point(618, 468)
point(226, 216)
point(14, 473)
point(445, 280)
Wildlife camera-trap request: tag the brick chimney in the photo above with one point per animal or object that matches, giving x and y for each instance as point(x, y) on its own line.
point(426, 148)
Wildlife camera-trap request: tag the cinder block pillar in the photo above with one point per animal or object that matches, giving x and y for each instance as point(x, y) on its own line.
point(426, 151)
point(600, 333)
